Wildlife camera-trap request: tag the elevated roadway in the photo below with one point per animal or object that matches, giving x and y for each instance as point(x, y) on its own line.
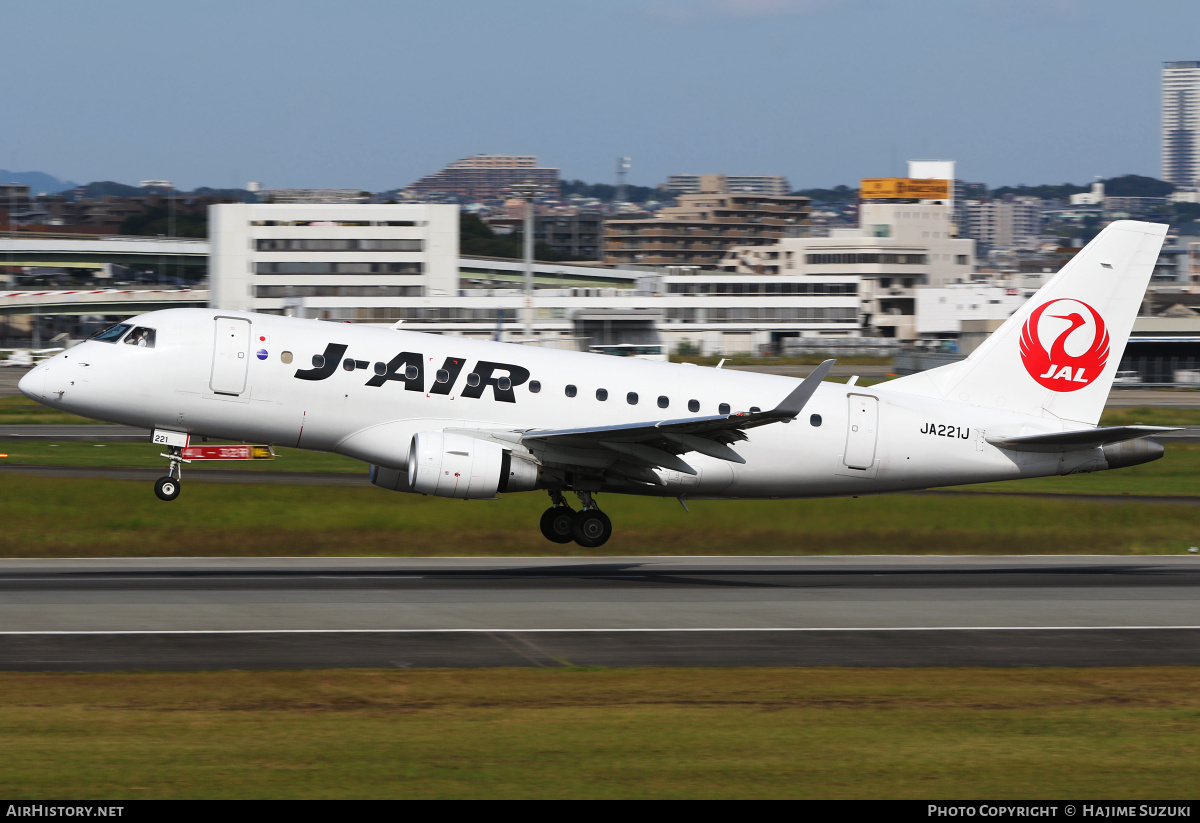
point(867, 611)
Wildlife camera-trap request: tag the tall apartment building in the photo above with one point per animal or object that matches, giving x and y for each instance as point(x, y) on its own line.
point(702, 227)
point(487, 177)
point(338, 262)
point(1006, 222)
point(770, 185)
point(1181, 122)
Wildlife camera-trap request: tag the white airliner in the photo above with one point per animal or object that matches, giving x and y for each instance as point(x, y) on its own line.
point(465, 418)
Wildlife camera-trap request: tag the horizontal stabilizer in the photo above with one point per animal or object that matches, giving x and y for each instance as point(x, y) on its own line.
point(1083, 439)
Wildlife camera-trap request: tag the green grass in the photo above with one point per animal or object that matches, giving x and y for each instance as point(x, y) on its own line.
point(53, 517)
point(1152, 416)
point(21, 411)
point(661, 733)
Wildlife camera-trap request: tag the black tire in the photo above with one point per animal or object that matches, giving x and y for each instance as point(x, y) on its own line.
point(556, 524)
point(166, 488)
point(591, 528)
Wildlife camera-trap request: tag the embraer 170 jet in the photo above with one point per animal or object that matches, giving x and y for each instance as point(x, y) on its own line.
point(465, 418)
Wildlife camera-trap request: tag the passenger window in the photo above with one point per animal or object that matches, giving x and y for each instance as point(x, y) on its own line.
point(380, 368)
point(318, 361)
point(815, 420)
point(113, 333)
point(348, 364)
point(141, 336)
point(571, 391)
point(410, 372)
point(503, 384)
point(535, 386)
point(286, 357)
point(693, 405)
point(631, 398)
point(723, 408)
point(472, 380)
point(663, 401)
point(442, 376)
point(601, 394)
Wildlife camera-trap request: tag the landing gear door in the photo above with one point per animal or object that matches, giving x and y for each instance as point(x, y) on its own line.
point(231, 355)
point(861, 430)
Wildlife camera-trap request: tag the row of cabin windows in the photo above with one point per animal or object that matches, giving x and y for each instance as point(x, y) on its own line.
point(631, 398)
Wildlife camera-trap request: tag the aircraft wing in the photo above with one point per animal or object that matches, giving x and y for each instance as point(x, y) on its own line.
point(1082, 439)
point(658, 443)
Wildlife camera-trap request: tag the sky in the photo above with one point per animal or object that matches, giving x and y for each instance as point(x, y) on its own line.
point(372, 94)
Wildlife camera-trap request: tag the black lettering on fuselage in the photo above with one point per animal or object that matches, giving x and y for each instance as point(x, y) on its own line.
point(397, 369)
point(332, 359)
point(451, 365)
point(486, 370)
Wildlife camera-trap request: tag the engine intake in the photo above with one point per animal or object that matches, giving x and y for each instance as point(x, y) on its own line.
point(455, 465)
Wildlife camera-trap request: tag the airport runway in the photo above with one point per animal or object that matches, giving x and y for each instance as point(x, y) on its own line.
point(371, 612)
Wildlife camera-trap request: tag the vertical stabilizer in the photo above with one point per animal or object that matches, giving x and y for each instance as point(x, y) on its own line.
point(1057, 355)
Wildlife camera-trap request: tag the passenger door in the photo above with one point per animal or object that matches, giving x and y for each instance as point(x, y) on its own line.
point(231, 355)
point(861, 428)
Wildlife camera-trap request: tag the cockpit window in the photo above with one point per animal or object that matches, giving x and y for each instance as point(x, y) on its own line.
point(113, 333)
point(141, 336)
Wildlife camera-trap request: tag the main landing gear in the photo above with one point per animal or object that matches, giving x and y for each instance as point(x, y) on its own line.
point(588, 527)
point(168, 488)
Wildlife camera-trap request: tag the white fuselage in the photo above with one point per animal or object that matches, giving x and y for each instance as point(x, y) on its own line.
point(868, 440)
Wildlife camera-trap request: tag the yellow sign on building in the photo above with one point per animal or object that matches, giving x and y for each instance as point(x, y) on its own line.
point(904, 188)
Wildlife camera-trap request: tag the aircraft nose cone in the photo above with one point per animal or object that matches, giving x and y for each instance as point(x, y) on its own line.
point(32, 385)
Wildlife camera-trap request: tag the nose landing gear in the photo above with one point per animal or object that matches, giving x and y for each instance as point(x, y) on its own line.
point(588, 527)
point(168, 488)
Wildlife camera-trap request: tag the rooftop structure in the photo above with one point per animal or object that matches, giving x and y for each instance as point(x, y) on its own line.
point(486, 177)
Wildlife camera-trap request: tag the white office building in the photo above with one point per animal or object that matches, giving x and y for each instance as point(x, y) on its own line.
point(340, 262)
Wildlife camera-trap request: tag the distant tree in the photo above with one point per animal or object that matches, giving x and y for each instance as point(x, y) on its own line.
point(1062, 191)
point(606, 192)
point(476, 237)
point(109, 188)
point(838, 194)
point(155, 221)
point(1134, 185)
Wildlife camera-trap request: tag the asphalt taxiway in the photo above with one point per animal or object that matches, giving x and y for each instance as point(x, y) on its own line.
point(468, 612)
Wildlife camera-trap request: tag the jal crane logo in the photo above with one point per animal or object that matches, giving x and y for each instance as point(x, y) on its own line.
point(1079, 351)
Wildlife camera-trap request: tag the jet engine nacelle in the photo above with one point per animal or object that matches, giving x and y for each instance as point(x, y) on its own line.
point(455, 465)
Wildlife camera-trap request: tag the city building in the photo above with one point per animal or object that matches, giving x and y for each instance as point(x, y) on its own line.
point(897, 249)
point(1181, 123)
point(771, 185)
point(1004, 222)
point(291, 196)
point(578, 236)
point(702, 227)
point(484, 177)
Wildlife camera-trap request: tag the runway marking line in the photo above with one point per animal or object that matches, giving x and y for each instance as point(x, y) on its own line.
point(611, 631)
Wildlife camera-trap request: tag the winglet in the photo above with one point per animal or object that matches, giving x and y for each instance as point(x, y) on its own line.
point(794, 403)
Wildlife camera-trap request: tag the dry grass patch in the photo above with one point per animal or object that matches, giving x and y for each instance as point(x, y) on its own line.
point(915, 733)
